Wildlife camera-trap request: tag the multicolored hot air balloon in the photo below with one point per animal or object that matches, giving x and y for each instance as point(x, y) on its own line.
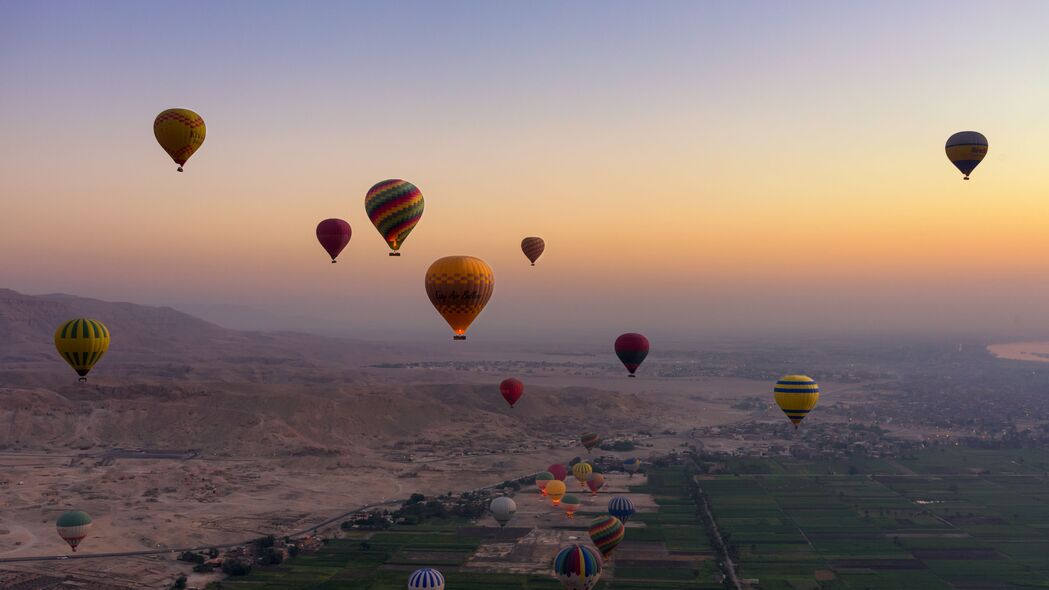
point(570, 503)
point(632, 465)
point(796, 395)
point(180, 132)
point(395, 208)
point(82, 342)
point(512, 390)
point(595, 481)
point(503, 509)
point(533, 248)
point(581, 471)
point(459, 287)
point(542, 479)
point(621, 507)
point(73, 526)
point(558, 471)
point(333, 234)
point(631, 348)
point(606, 531)
point(426, 578)
point(555, 490)
point(966, 149)
point(578, 567)
point(589, 440)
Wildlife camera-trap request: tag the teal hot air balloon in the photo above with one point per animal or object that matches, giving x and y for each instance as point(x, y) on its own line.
point(966, 149)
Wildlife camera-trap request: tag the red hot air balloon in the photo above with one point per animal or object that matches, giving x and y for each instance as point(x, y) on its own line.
point(533, 248)
point(632, 348)
point(559, 471)
point(512, 389)
point(333, 234)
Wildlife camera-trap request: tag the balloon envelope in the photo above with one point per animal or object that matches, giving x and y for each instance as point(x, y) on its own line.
point(73, 526)
point(556, 490)
point(589, 440)
point(966, 149)
point(426, 578)
point(512, 389)
point(559, 471)
point(82, 342)
point(631, 348)
point(578, 567)
point(796, 395)
point(503, 509)
point(542, 479)
point(581, 471)
point(594, 481)
point(621, 507)
point(606, 532)
point(333, 234)
point(180, 132)
point(459, 287)
point(395, 208)
point(633, 464)
point(533, 248)
point(570, 503)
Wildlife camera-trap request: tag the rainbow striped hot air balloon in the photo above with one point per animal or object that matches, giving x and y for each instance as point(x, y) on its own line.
point(395, 208)
point(621, 507)
point(73, 526)
point(82, 342)
point(180, 132)
point(426, 578)
point(578, 567)
point(606, 531)
point(796, 395)
point(966, 149)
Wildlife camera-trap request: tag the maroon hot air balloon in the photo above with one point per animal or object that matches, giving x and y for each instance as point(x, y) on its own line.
point(333, 234)
point(560, 471)
point(512, 389)
point(632, 348)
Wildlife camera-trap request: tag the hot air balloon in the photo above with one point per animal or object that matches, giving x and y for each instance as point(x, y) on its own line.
point(578, 567)
point(581, 471)
point(632, 465)
point(395, 208)
point(459, 287)
point(82, 342)
point(589, 440)
point(555, 490)
point(621, 507)
point(503, 509)
point(631, 348)
point(73, 526)
point(606, 531)
point(559, 471)
point(796, 395)
point(594, 481)
point(542, 479)
point(333, 234)
point(533, 248)
point(570, 503)
point(512, 389)
point(426, 578)
point(966, 149)
point(180, 132)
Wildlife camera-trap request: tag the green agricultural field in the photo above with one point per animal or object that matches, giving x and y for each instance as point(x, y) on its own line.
point(951, 519)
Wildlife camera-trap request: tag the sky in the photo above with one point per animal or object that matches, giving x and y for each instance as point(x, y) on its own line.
point(697, 169)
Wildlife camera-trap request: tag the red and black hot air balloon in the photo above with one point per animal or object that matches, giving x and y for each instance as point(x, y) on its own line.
point(333, 234)
point(533, 248)
point(632, 348)
point(512, 390)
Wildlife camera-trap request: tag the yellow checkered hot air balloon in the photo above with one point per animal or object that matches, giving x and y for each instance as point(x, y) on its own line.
point(459, 287)
point(796, 395)
point(82, 342)
point(180, 132)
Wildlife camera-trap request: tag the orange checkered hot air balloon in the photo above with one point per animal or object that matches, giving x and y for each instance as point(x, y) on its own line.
point(180, 132)
point(459, 287)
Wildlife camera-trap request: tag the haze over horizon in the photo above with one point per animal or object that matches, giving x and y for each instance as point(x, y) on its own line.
point(701, 169)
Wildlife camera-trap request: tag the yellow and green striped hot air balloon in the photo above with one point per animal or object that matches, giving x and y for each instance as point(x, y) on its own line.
point(796, 395)
point(82, 342)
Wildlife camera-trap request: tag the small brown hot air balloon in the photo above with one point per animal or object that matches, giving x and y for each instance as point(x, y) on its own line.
point(533, 248)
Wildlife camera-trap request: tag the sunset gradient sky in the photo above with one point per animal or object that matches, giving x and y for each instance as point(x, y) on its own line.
point(696, 168)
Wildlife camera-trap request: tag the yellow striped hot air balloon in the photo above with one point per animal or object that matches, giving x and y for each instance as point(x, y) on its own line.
point(796, 395)
point(82, 342)
point(180, 132)
point(966, 149)
point(581, 471)
point(459, 287)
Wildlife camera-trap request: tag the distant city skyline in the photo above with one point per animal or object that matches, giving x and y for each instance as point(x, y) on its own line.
point(695, 168)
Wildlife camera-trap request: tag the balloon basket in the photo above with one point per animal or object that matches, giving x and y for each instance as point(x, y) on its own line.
point(632, 376)
point(333, 261)
point(82, 380)
point(395, 253)
point(459, 337)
